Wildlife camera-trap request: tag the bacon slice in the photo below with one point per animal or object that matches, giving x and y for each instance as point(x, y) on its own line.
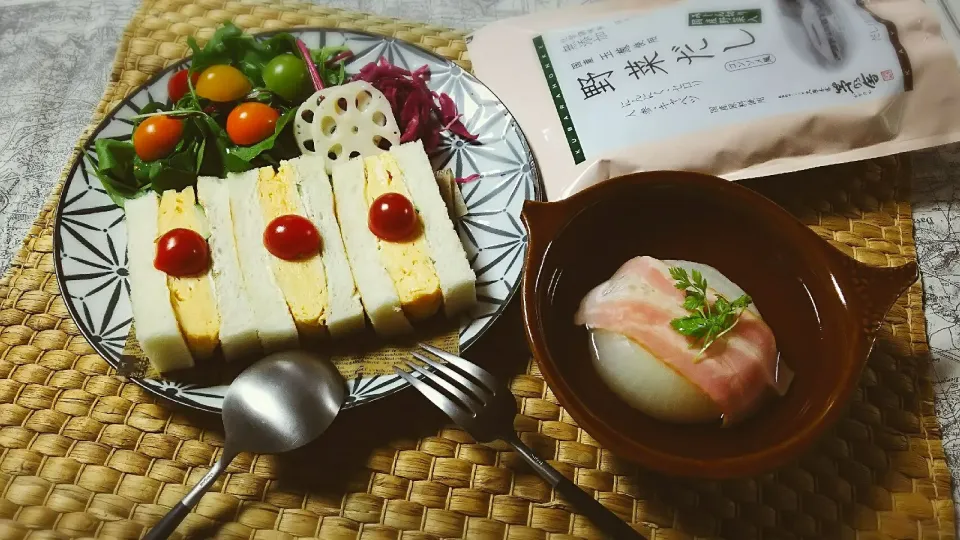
point(640, 300)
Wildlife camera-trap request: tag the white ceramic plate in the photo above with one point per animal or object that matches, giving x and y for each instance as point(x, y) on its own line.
point(91, 234)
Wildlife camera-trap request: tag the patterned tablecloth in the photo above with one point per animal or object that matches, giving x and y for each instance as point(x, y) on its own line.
point(55, 57)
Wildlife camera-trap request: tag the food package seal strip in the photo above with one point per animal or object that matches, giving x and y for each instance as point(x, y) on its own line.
point(925, 116)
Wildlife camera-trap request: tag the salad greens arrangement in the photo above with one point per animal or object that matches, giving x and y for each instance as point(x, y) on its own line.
point(195, 135)
point(232, 111)
point(229, 45)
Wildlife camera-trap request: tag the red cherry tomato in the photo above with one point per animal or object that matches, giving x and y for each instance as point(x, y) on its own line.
point(392, 217)
point(250, 123)
point(182, 252)
point(177, 85)
point(291, 237)
point(156, 137)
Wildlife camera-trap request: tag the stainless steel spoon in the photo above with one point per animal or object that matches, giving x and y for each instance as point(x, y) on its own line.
point(276, 405)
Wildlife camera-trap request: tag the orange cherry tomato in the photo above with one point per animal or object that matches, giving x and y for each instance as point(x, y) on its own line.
point(250, 123)
point(222, 83)
point(156, 137)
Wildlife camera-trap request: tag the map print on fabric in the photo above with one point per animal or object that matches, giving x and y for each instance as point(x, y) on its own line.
point(936, 214)
point(55, 60)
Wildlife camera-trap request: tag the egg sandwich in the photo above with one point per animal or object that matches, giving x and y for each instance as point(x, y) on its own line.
point(305, 298)
point(275, 326)
point(245, 300)
point(272, 259)
point(410, 279)
point(345, 310)
point(157, 328)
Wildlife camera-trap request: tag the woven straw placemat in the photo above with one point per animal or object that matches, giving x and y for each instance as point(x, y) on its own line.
point(86, 454)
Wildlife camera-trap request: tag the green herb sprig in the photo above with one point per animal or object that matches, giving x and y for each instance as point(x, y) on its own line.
point(707, 322)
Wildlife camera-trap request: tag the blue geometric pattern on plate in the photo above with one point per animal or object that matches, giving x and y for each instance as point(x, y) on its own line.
point(91, 234)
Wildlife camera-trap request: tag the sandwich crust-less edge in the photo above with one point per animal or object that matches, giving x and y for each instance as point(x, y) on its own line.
point(275, 325)
point(156, 326)
point(303, 281)
point(238, 328)
point(377, 291)
point(344, 309)
point(457, 280)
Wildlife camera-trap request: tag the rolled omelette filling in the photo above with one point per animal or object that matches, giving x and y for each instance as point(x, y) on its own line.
point(303, 282)
point(192, 297)
point(408, 263)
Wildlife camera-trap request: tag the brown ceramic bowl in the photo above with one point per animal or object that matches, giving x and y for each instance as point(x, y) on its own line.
point(824, 309)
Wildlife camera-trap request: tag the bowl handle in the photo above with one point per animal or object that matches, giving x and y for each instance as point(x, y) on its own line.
point(543, 221)
point(875, 288)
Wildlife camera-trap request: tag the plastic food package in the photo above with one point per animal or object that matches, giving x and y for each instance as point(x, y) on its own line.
point(731, 88)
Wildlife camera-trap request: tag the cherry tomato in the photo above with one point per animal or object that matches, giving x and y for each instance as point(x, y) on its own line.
point(250, 123)
point(222, 83)
point(177, 85)
point(182, 252)
point(291, 237)
point(286, 76)
point(392, 217)
point(156, 137)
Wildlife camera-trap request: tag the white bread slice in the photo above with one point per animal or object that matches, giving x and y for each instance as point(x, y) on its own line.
point(193, 297)
point(238, 329)
point(156, 325)
point(345, 313)
point(457, 280)
point(377, 291)
point(303, 282)
point(275, 325)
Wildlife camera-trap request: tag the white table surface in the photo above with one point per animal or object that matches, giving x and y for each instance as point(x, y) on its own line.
point(55, 57)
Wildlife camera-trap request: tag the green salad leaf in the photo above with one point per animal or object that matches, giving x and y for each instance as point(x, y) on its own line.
point(174, 172)
point(114, 168)
point(332, 75)
point(150, 108)
point(219, 159)
point(230, 45)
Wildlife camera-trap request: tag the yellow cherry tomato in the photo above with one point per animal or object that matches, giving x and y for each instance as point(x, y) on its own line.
point(222, 83)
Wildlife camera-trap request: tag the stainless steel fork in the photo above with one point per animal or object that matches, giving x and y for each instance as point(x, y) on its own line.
point(474, 399)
